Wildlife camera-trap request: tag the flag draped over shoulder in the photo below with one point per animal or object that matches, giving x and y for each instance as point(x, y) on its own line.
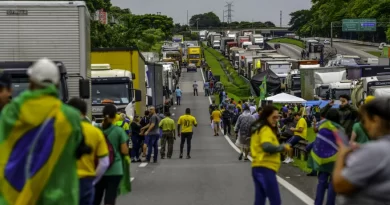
point(38, 162)
point(125, 185)
point(263, 88)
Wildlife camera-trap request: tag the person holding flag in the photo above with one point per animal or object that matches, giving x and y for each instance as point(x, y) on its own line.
point(40, 140)
point(5, 89)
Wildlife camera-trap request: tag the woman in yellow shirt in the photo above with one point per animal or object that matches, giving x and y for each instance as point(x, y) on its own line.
point(265, 151)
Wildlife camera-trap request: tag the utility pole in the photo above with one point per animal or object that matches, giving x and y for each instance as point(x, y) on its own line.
point(223, 16)
point(229, 11)
point(281, 15)
point(188, 24)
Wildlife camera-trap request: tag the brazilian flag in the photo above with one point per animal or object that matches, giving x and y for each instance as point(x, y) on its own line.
point(263, 89)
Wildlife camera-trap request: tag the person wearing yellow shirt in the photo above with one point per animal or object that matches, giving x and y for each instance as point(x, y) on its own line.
point(300, 133)
point(265, 149)
point(94, 138)
point(167, 126)
point(184, 129)
point(216, 120)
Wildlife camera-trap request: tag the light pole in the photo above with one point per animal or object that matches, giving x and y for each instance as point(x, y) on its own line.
point(331, 34)
point(197, 24)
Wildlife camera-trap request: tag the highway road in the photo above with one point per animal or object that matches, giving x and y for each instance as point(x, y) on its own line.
point(213, 176)
point(289, 50)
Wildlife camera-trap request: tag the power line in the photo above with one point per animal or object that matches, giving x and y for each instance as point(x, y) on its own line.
point(228, 12)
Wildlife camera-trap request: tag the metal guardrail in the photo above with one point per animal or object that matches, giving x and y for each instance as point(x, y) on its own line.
point(349, 41)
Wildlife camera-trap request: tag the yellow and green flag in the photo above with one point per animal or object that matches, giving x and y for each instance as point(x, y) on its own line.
point(39, 136)
point(263, 88)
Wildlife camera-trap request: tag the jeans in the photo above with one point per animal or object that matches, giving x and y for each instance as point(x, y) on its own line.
point(325, 182)
point(186, 136)
point(178, 98)
point(153, 144)
point(107, 187)
point(206, 92)
point(137, 140)
point(266, 186)
point(226, 126)
point(87, 191)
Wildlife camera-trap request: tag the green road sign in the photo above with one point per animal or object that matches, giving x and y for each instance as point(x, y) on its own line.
point(359, 25)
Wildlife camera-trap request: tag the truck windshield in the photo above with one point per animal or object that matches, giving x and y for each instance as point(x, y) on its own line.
point(296, 83)
point(322, 91)
point(118, 93)
point(338, 92)
point(280, 69)
point(21, 84)
point(194, 56)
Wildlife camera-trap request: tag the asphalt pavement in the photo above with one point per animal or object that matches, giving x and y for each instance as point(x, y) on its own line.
point(213, 176)
point(289, 50)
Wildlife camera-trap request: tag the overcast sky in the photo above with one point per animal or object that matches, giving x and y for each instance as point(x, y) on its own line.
point(244, 10)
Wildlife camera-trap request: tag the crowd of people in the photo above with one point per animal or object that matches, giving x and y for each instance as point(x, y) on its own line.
point(40, 136)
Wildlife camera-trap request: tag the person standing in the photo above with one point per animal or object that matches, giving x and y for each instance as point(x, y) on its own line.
point(185, 126)
point(216, 120)
point(195, 87)
point(265, 150)
point(206, 87)
point(144, 122)
point(242, 130)
point(178, 95)
point(94, 138)
point(153, 132)
point(117, 139)
point(212, 107)
point(300, 133)
point(167, 126)
point(211, 87)
point(226, 121)
point(359, 134)
point(5, 90)
point(323, 152)
point(136, 139)
point(57, 143)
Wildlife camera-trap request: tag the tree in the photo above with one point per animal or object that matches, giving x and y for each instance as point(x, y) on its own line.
point(269, 24)
point(205, 20)
point(298, 20)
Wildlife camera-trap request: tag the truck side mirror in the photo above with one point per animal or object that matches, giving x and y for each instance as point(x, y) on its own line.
point(84, 88)
point(137, 96)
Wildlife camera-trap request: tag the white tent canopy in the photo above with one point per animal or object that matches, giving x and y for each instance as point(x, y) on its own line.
point(285, 98)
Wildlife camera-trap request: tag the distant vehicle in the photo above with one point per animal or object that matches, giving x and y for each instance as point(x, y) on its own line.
point(192, 68)
point(276, 46)
point(326, 41)
point(381, 45)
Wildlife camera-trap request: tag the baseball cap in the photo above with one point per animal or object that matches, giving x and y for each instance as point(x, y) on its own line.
point(5, 80)
point(44, 72)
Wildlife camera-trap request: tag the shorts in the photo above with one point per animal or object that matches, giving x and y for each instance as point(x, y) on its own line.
point(216, 123)
point(146, 141)
point(294, 140)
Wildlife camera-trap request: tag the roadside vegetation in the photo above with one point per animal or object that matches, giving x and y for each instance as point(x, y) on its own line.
point(375, 53)
point(288, 41)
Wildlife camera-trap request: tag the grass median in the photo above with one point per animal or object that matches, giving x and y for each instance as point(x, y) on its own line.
point(288, 41)
point(238, 89)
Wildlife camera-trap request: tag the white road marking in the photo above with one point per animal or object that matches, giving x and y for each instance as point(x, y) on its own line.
point(143, 164)
point(174, 108)
point(131, 179)
point(173, 114)
point(298, 193)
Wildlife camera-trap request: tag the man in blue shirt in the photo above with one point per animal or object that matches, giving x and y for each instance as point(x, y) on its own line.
point(178, 95)
point(206, 88)
point(5, 89)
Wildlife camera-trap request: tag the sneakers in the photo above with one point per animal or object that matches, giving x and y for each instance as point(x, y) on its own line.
point(288, 160)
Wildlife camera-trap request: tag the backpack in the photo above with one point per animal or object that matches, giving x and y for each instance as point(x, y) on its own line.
point(226, 114)
point(111, 152)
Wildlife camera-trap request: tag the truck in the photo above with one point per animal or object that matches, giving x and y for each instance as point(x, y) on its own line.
point(323, 80)
point(228, 48)
point(111, 85)
point(155, 85)
point(178, 38)
point(224, 42)
point(257, 39)
point(203, 35)
point(215, 40)
point(313, 49)
point(293, 80)
point(170, 81)
point(309, 80)
point(371, 80)
point(19, 78)
point(194, 55)
point(35, 29)
point(281, 69)
point(241, 40)
point(246, 32)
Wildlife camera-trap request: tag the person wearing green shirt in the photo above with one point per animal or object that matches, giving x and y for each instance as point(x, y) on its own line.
point(117, 137)
point(359, 135)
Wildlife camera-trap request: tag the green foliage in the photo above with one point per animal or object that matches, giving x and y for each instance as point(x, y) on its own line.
point(317, 20)
point(209, 19)
point(289, 41)
point(126, 29)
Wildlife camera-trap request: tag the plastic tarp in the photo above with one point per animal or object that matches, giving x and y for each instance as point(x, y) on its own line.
point(320, 103)
point(273, 82)
point(286, 98)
